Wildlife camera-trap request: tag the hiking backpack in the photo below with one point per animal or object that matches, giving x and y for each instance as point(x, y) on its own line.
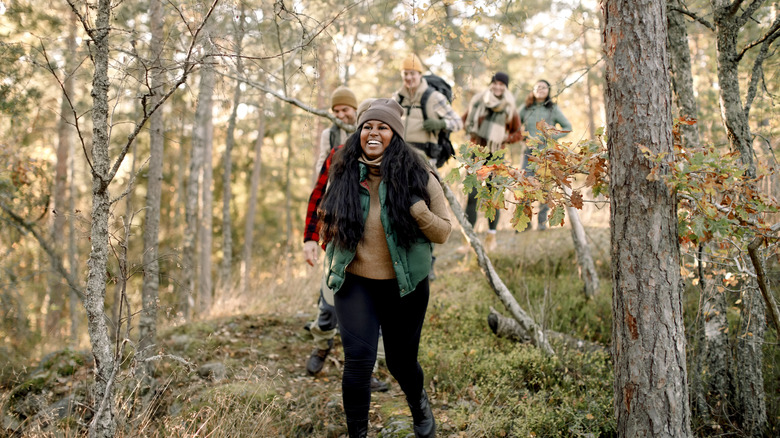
point(442, 150)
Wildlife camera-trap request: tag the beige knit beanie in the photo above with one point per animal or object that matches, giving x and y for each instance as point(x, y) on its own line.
point(412, 62)
point(343, 96)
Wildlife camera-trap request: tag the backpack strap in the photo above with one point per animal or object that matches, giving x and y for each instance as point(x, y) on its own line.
point(423, 102)
point(334, 136)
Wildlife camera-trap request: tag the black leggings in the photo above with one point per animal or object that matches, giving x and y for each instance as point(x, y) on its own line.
point(363, 306)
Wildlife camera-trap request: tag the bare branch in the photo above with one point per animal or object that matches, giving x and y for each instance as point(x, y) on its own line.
point(771, 34)
point(748, 14)
point(26, 227)
point(291, 100)
point(694, 17)
point(758, 72)
point(187, 69)
point(763, 283)
point(49, 67)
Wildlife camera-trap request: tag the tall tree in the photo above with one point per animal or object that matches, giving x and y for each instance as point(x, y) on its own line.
point(204, 134)
point(147, 324)
point(254, 183)
point(648, 341)
point(58, 288)
point(226, 266)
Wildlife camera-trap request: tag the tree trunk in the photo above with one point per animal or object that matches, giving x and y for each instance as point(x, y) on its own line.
point(526, 323)
point(104, 421)
point(588, 271)
point(58, 288)
point(651, 385)
point(750, 394)
point(734, 117)
point(682, 79)
point(189, 250)
point(227, 196)
point(712, 387)
point(588, 86)
point(751, 404)
point(147, 324)
point(254, 183)
point(204, 127)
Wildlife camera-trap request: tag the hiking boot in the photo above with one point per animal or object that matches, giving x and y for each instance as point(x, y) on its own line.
point(317, 359)
point(424, 424)
point(378, 385)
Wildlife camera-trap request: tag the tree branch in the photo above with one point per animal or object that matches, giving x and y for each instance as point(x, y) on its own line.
point(763, 284)
point(748, 14)
point(771, 34)
point(25, 227)
point(187, 69)
point(693, 16)
point(527, 323)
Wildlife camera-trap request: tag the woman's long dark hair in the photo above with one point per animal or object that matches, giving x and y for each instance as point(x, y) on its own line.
point(530, 99)
point(405, 174)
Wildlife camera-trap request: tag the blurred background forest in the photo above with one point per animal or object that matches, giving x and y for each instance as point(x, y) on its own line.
point(248, 85)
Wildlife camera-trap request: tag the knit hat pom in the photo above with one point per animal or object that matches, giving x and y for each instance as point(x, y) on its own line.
point(343, 96)
point(412, 62)
point(386, 111)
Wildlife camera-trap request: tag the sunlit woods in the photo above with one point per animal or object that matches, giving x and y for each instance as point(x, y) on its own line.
point(289, 51)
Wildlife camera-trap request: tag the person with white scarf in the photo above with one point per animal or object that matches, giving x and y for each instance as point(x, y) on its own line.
point(492, 121)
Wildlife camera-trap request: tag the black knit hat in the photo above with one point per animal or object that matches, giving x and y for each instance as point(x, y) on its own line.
point(500, 76)
point(386, 111)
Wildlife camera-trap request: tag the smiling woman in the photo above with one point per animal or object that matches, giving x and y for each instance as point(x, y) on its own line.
point(381, 213)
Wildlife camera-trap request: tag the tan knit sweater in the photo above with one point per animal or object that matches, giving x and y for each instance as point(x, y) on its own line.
point(372, 258)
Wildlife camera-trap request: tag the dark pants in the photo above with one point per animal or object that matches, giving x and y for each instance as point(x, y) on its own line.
point(363, 306)
point(543, 208)
point(327, 319)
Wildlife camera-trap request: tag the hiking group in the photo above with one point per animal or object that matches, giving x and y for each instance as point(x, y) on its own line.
point(377, 209)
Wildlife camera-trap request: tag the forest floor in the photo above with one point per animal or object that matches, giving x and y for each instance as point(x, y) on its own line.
point(245, 373)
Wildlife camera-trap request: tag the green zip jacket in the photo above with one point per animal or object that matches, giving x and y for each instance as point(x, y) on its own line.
point(411, 265)
point(535, 113)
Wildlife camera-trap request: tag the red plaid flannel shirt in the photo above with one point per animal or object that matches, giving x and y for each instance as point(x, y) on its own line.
point(311, 230)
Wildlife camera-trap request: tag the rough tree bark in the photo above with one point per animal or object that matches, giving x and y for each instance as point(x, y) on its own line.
point(682, 79)
point(147, 324)
point(104, 422)
point(651, 388)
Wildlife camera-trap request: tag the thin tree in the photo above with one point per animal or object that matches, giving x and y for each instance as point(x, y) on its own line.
point(648, 340)
point(97, 21)
point(147, 324)
point(227, 236)
point(254, 183)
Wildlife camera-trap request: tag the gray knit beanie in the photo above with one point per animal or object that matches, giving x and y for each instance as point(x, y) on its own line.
point(387, 111)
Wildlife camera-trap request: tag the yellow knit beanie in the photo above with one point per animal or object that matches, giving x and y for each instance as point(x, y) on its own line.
point(343, 96)
point(412, 62)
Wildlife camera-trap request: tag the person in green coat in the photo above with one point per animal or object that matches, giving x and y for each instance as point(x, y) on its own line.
point(540, 107)
point(380, 215)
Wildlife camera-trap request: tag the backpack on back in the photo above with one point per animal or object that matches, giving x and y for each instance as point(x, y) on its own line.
point(442, 150)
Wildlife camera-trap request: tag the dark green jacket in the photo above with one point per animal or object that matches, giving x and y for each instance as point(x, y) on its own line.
point(411, 265)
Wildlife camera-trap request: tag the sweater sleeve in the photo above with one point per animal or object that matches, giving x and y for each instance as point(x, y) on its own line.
point(434, 221)
point(560, 119)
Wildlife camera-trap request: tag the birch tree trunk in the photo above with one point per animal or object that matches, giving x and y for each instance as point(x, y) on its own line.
point(104, 422)
point(204, 127)
point(651, 385)
point(682, 79)
point(254, 183)
point(227, 196)
point(147, 325)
